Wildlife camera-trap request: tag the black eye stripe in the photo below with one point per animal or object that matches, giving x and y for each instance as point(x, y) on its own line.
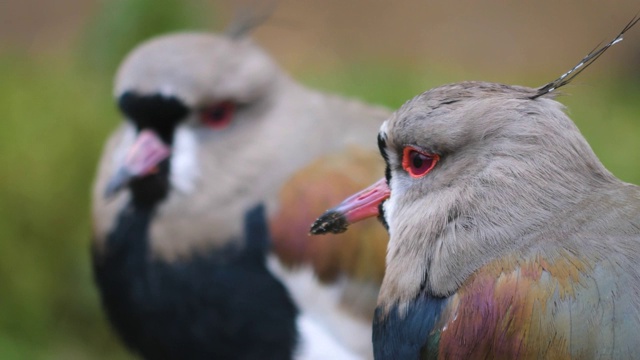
point(382, 145)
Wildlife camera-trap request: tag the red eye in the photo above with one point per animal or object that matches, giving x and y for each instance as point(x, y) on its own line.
point(417, 163)
point(219, 115)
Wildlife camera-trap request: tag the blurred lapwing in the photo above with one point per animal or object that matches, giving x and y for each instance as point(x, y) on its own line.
point(202, 201)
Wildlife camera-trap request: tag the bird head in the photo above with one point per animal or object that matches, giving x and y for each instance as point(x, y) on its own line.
point(474, 171)
point(471, 167)
point(178, 91)
point(204, 118)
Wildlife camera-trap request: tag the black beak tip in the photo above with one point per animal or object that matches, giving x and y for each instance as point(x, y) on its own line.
point(330, 222)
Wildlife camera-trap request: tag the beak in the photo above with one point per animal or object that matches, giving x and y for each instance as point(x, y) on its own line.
point(357, 207)
point(142, 159)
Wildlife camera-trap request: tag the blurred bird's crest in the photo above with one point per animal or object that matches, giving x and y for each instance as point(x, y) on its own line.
point(249, 16)
point(584, 63)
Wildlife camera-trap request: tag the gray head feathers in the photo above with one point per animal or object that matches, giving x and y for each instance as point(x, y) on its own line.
point(199, 68)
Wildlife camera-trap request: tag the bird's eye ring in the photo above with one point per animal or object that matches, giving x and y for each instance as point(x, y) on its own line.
point(218, 116)
point(418, 163)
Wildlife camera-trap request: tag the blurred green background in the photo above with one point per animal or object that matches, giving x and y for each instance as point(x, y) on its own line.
point(56, 67)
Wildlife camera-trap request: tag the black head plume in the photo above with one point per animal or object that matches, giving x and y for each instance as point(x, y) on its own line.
point(584, 63)
point(249, 16)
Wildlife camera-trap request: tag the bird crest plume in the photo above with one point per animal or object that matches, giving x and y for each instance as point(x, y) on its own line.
point(249, 16)
point(566, 78)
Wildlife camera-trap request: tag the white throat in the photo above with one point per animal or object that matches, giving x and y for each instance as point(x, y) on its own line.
point(185, 169)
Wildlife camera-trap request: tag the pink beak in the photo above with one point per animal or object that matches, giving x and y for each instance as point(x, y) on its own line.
point(357, 207)
point(142, 159)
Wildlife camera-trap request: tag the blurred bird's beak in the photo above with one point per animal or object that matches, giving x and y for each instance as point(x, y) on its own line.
point(142, 159)
point(362, 205)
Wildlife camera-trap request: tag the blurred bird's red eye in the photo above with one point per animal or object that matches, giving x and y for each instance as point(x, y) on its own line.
point(218, 116)
point(417, 163)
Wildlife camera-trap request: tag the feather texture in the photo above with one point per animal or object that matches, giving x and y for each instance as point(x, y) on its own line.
point(357, 255)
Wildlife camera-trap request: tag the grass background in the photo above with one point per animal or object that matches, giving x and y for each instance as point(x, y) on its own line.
point(57, 111)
